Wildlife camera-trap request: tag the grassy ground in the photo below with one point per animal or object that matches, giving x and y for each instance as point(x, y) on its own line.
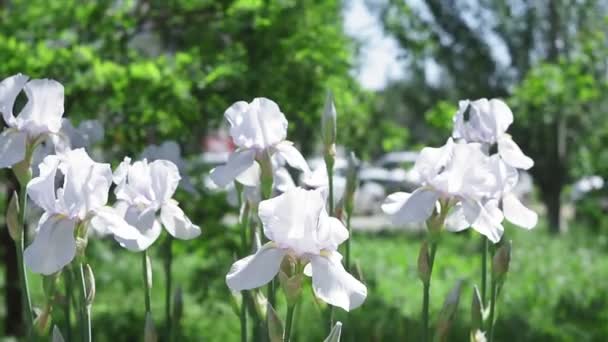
point(556, 289)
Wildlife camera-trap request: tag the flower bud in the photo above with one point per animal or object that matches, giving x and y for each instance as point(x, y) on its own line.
point(335, 333)
point(292, 286)
point(424, 267)
point(275, 325)
point(12, 218)
point(446, 316)
point(89, 281)
point(501, 261)
point(150, 334)
point(178, 304)
point(328, 123)
point(57, 337)
point(351, 182)
point(476, 310)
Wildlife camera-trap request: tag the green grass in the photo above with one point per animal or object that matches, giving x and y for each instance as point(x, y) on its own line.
point(556, 289)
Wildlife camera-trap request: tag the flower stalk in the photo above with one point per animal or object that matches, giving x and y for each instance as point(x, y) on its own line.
point(168, 285)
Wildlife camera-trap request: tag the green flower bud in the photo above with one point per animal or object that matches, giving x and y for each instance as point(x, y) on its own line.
point(501, 261)
point(477, 314)
point(89, 279)
point(328, 124)
point(446, 316)
point(275, 325)
point(335, 333)
point(12, 218)
point(351, 182)
point(424, 266)
point(150, 334)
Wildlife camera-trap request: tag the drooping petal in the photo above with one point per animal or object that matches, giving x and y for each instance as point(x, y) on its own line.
point(12, 147)
point(516, 213)
point(237, 163)
point(456, 220)
point(485, 219)
point(44, 108)
point(251, 176)
point(512, 154)
point(292, 156)
point(417, 207)
point(394, 202)
point(10, 88)
point(165, 179)
point(177, 223)
point(334, 285)
point(144, 221)
point(108, 220)
point(42, 188)
point(53, 247)
point(255, 270)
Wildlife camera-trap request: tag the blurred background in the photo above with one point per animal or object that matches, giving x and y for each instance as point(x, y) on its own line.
point(157, 71)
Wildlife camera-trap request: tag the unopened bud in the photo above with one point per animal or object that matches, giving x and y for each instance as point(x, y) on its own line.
point(501, 261)
point(89, 279)
point(477, 310)
point(12, 218)
point(57, 337)
point(335, 333)
point(351, 182)
point(446, 316)
point(275, 325)
point(328, 123)
point(150, 334)
point(178, 303)
point(424, 266)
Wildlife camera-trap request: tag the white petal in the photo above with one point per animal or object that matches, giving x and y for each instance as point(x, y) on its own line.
point(251, 176)
point(456, 220)
point(271, 120)
point(417, 207)
point(12, 147)
point(44, 108)
point(394, 202)
point(42, 188)
point(331, 231)
point(121, 172)
point(512, 154)
point(237, 163)
point(516, 213)
point(176, 222)
point(165, 179)
point(502, 115)
point(53, 247)
point(10, 88)
point(432, 160)
point(334, 285)
point(292, 156)
point(255, 270)
point(486, 219)
point(111, 220)
point(259, 124)
point(145, 222)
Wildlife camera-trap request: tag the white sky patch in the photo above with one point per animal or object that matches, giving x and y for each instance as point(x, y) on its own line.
point(378, 60)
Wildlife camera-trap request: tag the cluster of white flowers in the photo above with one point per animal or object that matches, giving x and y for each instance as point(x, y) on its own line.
point(296, 221)
point(72, 189)
point(475, 186)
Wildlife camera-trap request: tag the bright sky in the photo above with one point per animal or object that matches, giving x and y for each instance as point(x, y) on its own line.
point(378, 61)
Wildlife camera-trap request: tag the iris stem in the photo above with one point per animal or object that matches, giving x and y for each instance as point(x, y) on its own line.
point(426, 294)
point(493, 298)
point(484, 269)
point(85, 307)
point(347, 251)
point(69, 288)
point(244, 227)
point(168, 286)
point(329, 164)
point(289, 322)
point(147, 285)
point(26, 301)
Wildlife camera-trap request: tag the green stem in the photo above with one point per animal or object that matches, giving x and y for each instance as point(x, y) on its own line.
point(147, 285)
point(329, 165)
point(243, 320)
point(85, 308)
point(289, 322)
point(484, 269)
point(347, 252)
point(426, 294)
point(26, 300)
point(168, 285)
point(493, 298)
point(69, 288)
point(244, 227)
